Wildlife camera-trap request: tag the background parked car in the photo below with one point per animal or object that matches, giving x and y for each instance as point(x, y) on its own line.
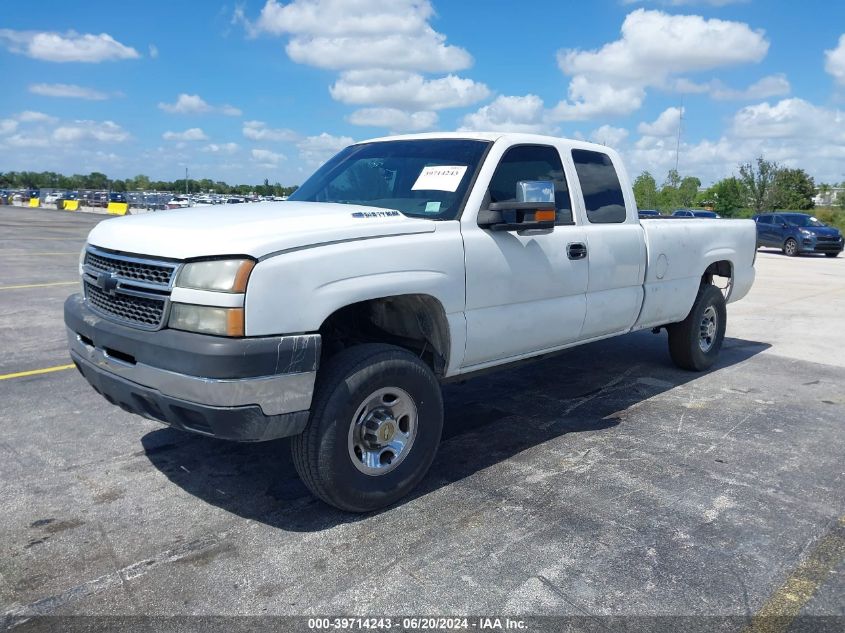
point(796, 233)
point(649, 213)
point(694, 213)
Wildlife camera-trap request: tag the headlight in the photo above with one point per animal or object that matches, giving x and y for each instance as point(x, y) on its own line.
point(207, 319)
point(223, 275)
point(807, 235)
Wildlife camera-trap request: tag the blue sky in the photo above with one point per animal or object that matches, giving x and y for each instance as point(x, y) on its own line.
point(269, 89)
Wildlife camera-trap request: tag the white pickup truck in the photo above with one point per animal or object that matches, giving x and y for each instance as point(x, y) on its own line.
point(402, 262)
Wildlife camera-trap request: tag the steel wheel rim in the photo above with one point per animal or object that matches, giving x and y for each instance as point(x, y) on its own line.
point(382, 431)
point(707, 329)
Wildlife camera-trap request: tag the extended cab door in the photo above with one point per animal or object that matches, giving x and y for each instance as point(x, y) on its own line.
point(615, 243)
point(524, 292)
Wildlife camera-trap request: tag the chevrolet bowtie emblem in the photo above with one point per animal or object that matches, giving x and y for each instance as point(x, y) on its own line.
point(107, 282)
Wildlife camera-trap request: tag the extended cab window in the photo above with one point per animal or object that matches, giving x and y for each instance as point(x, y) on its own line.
point(425, 178)
point(603, 197)
point(532, 162)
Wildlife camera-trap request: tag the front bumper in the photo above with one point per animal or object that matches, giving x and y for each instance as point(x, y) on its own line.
point(814, 245)
point(247, 389)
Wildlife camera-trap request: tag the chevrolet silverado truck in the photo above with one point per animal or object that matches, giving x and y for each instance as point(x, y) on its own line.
point(403, 262)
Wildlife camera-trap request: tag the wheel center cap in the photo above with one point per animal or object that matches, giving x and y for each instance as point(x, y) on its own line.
point(386, 432)
point(711, 329)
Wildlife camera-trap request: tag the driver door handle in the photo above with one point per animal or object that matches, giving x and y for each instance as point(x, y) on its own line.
point(576, 250)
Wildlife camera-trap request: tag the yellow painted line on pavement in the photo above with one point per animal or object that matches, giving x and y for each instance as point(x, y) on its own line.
point(54, 283)
point(786, 603)
point(36, 372)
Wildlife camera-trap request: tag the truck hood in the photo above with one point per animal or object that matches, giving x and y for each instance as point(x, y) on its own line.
point(255, 229)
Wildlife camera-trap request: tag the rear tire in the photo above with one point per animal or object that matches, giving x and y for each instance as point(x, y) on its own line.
point(695, 342)
point(790, 247)
point(375, 426)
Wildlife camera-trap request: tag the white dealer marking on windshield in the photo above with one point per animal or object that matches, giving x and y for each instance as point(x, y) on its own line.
point(440, 178)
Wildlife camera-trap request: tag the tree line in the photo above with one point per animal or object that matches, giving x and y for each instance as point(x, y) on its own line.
point(758, 187)
point(101, 182)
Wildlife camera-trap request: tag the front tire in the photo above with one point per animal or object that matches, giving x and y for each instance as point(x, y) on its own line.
point(790, 247)
point(695, 342)
point(375, 426)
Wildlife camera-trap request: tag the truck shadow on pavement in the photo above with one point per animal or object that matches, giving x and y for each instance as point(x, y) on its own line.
point(488, 419)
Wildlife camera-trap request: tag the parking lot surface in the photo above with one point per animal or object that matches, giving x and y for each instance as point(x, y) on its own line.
point(603, 481)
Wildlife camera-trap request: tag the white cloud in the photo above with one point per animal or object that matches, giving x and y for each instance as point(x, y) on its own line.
point(509, 114)
point(68, 91)
point(835, 61)
point(66, 47)
point(7, 126)
point(409, 91)
point(394, 120)
point(345, 34)
point(258, 131)
point(194, 104)
point(769, 86)
point(153, 49)
point(267, 158)
point(316, 150)
point(80, 131)
point(795, 119)
point(609, 135)
point(192, 134)
point(654, 46)
point(29, 116)
point(666, 124)
point(383, 52)
point(221, 148)
point(592, 99)
point(792, 132)
point(686, 3)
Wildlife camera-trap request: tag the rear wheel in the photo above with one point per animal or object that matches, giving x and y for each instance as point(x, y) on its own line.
point(790, 247)
point(695, 342)
point(374, 430)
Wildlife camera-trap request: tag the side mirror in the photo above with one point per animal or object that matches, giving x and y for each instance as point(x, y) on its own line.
point(532, 210)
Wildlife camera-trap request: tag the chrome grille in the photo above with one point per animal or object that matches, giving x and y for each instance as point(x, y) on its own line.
point(147, 313)
point(132, 290)
point(130, 268)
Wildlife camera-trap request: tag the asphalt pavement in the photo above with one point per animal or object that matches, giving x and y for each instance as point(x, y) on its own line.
point(602, 482)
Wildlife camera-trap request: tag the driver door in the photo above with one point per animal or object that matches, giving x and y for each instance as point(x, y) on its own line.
point(524, 293)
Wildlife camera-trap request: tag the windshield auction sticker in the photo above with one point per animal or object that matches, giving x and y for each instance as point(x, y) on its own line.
point(440, 178)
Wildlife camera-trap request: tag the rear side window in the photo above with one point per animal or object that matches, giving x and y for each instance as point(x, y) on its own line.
point(532, 162)
point(764, 219)
point(603, 197)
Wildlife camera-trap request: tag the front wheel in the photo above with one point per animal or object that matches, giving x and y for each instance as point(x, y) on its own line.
point(790, 247)
point(694, 343)
point(375, 426)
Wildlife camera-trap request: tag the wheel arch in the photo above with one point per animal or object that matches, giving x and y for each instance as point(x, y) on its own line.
point(416, 322)
point(720, 267)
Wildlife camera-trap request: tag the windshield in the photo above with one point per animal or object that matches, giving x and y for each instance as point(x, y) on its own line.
point(802, 220)
point(424, 178)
